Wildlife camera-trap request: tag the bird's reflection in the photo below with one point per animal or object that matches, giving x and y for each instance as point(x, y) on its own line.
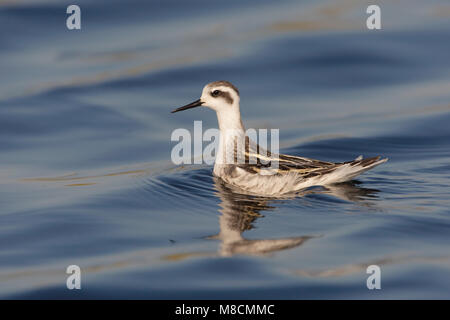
point(239, 211)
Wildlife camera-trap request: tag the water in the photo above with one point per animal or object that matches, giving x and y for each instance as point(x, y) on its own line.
point(85, 170)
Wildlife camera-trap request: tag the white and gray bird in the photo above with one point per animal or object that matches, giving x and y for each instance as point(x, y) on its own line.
point(255, 173)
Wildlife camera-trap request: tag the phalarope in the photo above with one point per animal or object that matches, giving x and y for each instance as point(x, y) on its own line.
point(293, 173)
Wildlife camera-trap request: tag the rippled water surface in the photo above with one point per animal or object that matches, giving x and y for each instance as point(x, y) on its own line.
point(85, 170)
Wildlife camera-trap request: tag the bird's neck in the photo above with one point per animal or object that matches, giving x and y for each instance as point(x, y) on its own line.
point(230, 119)
point(231, 130)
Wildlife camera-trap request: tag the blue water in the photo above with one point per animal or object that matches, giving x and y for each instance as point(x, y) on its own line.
point(85, 170)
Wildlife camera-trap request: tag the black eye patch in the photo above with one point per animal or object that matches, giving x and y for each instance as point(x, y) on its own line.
point(225, 95)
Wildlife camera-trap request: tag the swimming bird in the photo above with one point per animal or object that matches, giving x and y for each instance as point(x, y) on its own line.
point(243, 163)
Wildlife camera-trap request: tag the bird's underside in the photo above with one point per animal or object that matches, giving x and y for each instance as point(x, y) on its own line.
point(286, 173)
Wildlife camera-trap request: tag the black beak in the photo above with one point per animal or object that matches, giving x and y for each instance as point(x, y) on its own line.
point(194, 104)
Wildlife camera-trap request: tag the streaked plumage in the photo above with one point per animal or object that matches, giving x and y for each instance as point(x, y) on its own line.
point(255, 171)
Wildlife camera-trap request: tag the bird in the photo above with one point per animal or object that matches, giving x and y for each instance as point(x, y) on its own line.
point(242, 163)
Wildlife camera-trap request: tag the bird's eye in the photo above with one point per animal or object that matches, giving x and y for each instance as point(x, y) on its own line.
point(215, 93)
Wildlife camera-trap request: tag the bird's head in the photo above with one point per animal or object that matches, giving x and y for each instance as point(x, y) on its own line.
point(221, 96)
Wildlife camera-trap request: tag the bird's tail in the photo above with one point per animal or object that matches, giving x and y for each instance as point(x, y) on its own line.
point(351, 169)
